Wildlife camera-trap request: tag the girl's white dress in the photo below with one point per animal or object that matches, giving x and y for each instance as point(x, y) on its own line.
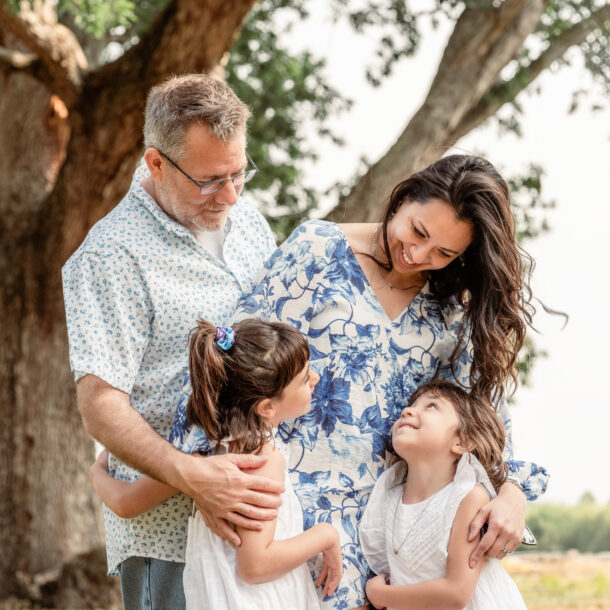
point(425, 528)
point(210, 573)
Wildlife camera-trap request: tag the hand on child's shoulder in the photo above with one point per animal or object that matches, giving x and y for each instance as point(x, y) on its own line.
point(275, 465)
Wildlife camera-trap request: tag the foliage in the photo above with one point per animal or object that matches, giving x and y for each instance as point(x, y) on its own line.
point(290, 98)
point(584, 527)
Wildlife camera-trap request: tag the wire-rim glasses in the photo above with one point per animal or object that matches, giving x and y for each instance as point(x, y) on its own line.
point(207, 188)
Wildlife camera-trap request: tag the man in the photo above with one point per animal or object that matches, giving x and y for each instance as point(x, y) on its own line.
point(182, 244)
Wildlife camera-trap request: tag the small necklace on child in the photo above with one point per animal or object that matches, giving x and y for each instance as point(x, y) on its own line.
point(423, 510)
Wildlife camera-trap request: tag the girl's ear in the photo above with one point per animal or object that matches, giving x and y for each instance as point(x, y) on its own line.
point(265, 408)
point(460, 447)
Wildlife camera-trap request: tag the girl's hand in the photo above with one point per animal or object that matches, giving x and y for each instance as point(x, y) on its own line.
point(374, 588)
point(505, 516)
point(332, 562)
point(101, 462)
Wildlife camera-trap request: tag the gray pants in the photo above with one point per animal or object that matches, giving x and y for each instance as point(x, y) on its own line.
point(152, 584)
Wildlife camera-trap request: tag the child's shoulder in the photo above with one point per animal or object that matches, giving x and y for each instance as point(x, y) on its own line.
point(475, 499)
point(275, 465)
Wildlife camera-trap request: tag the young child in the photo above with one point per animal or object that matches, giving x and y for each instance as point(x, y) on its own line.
point(414, 533)
point(245, 380)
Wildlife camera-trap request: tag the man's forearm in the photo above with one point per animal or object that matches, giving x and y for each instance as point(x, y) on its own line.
point(109, 418)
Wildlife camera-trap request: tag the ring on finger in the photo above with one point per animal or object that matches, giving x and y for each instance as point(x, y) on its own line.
point(506, 551)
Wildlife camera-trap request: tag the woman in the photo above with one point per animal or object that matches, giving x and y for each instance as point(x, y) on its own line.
point(436, 289)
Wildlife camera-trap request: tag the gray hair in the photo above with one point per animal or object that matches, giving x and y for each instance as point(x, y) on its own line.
point(181, 101)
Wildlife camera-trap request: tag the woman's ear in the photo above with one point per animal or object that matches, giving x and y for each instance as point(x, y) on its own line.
point(265, 408)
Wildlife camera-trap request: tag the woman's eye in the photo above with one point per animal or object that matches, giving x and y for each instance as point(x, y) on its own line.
point(445, 255)
point(418, 232)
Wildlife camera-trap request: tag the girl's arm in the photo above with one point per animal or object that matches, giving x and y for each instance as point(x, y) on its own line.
point(453, 591)
point(260, 558)
point(127, 500)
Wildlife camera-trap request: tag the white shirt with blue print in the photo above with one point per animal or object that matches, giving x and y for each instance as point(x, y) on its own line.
point(133, 291)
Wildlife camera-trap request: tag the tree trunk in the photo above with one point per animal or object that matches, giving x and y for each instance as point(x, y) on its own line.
point(63, 167)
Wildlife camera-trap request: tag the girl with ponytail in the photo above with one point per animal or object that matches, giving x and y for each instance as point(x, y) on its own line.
point(245, 380)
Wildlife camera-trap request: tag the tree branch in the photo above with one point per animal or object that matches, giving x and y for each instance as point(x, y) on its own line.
point(484, 40)
point(55, 46)
point(506, 91)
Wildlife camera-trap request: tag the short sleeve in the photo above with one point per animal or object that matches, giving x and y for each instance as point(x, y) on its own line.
point(372, 527)
point(108, 315)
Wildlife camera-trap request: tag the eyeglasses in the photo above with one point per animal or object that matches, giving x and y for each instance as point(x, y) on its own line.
point(207, 188)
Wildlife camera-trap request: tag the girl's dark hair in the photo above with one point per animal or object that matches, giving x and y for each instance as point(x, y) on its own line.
point(479, 427)
point(227, 385)
point(491, 279)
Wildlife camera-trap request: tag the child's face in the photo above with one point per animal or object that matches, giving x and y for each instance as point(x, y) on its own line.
point(429, 425)
point(296, 397)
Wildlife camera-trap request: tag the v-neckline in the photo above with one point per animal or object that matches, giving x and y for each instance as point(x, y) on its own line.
point(352, 254)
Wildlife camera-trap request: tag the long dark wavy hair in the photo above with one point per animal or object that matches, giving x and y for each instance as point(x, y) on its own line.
point(491, 279)
point(227, 385)
point(479, 427)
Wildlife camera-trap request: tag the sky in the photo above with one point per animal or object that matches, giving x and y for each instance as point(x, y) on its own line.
point(563, 420)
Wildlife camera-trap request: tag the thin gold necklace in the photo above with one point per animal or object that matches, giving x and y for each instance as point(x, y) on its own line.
point(421, 514)
point(379, 267)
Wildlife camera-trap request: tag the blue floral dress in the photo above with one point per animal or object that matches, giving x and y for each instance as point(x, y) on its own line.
point(368, 366)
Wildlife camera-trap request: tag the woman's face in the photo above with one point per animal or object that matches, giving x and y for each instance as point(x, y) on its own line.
point(426, 236)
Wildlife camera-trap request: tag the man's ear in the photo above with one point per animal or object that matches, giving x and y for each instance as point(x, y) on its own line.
point(265, 408)
point(155, 163)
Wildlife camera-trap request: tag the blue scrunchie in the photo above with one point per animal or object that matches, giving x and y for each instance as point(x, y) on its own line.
point(225, 337)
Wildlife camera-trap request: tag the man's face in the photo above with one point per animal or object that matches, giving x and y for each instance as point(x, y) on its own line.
point(206, 158)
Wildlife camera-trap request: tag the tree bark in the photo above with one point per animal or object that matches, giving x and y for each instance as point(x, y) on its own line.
point(66, 163)
point(466, 90)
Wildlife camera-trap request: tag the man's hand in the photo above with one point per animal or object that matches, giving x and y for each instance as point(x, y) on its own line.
point(506, 521)
point(225, 495)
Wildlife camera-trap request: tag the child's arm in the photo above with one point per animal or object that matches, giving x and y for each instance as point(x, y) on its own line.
point(453, 591)
point(127, 500)
point(260, 558)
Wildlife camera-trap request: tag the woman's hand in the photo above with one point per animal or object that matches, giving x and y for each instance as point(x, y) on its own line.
point(332, 564)
point(505, 516)
point(374, 589)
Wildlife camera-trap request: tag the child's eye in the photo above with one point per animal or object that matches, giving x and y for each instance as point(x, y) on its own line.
point(432, 406)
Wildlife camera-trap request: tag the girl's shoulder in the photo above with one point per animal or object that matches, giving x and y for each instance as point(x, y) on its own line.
point(275, 465)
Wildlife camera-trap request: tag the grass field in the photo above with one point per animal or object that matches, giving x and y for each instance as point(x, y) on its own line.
point(562, 581)
point(547, 581)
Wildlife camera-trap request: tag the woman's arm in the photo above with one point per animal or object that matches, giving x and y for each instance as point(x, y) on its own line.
point(260, 558)
point(127, 500)
point(453, 591)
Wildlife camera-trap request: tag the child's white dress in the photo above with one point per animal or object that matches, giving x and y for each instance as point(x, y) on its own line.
point(210, 573)
point(425, 528)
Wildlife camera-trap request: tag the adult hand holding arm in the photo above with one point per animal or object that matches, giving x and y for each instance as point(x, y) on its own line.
point(505, 516)
point(218, 486)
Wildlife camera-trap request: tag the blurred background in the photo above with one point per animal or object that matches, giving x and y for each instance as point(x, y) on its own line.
point(347, 98)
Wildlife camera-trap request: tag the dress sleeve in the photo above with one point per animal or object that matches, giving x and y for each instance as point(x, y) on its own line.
point(372, 527)
point(532, 479)
point(287, 288)
point(109, 316)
